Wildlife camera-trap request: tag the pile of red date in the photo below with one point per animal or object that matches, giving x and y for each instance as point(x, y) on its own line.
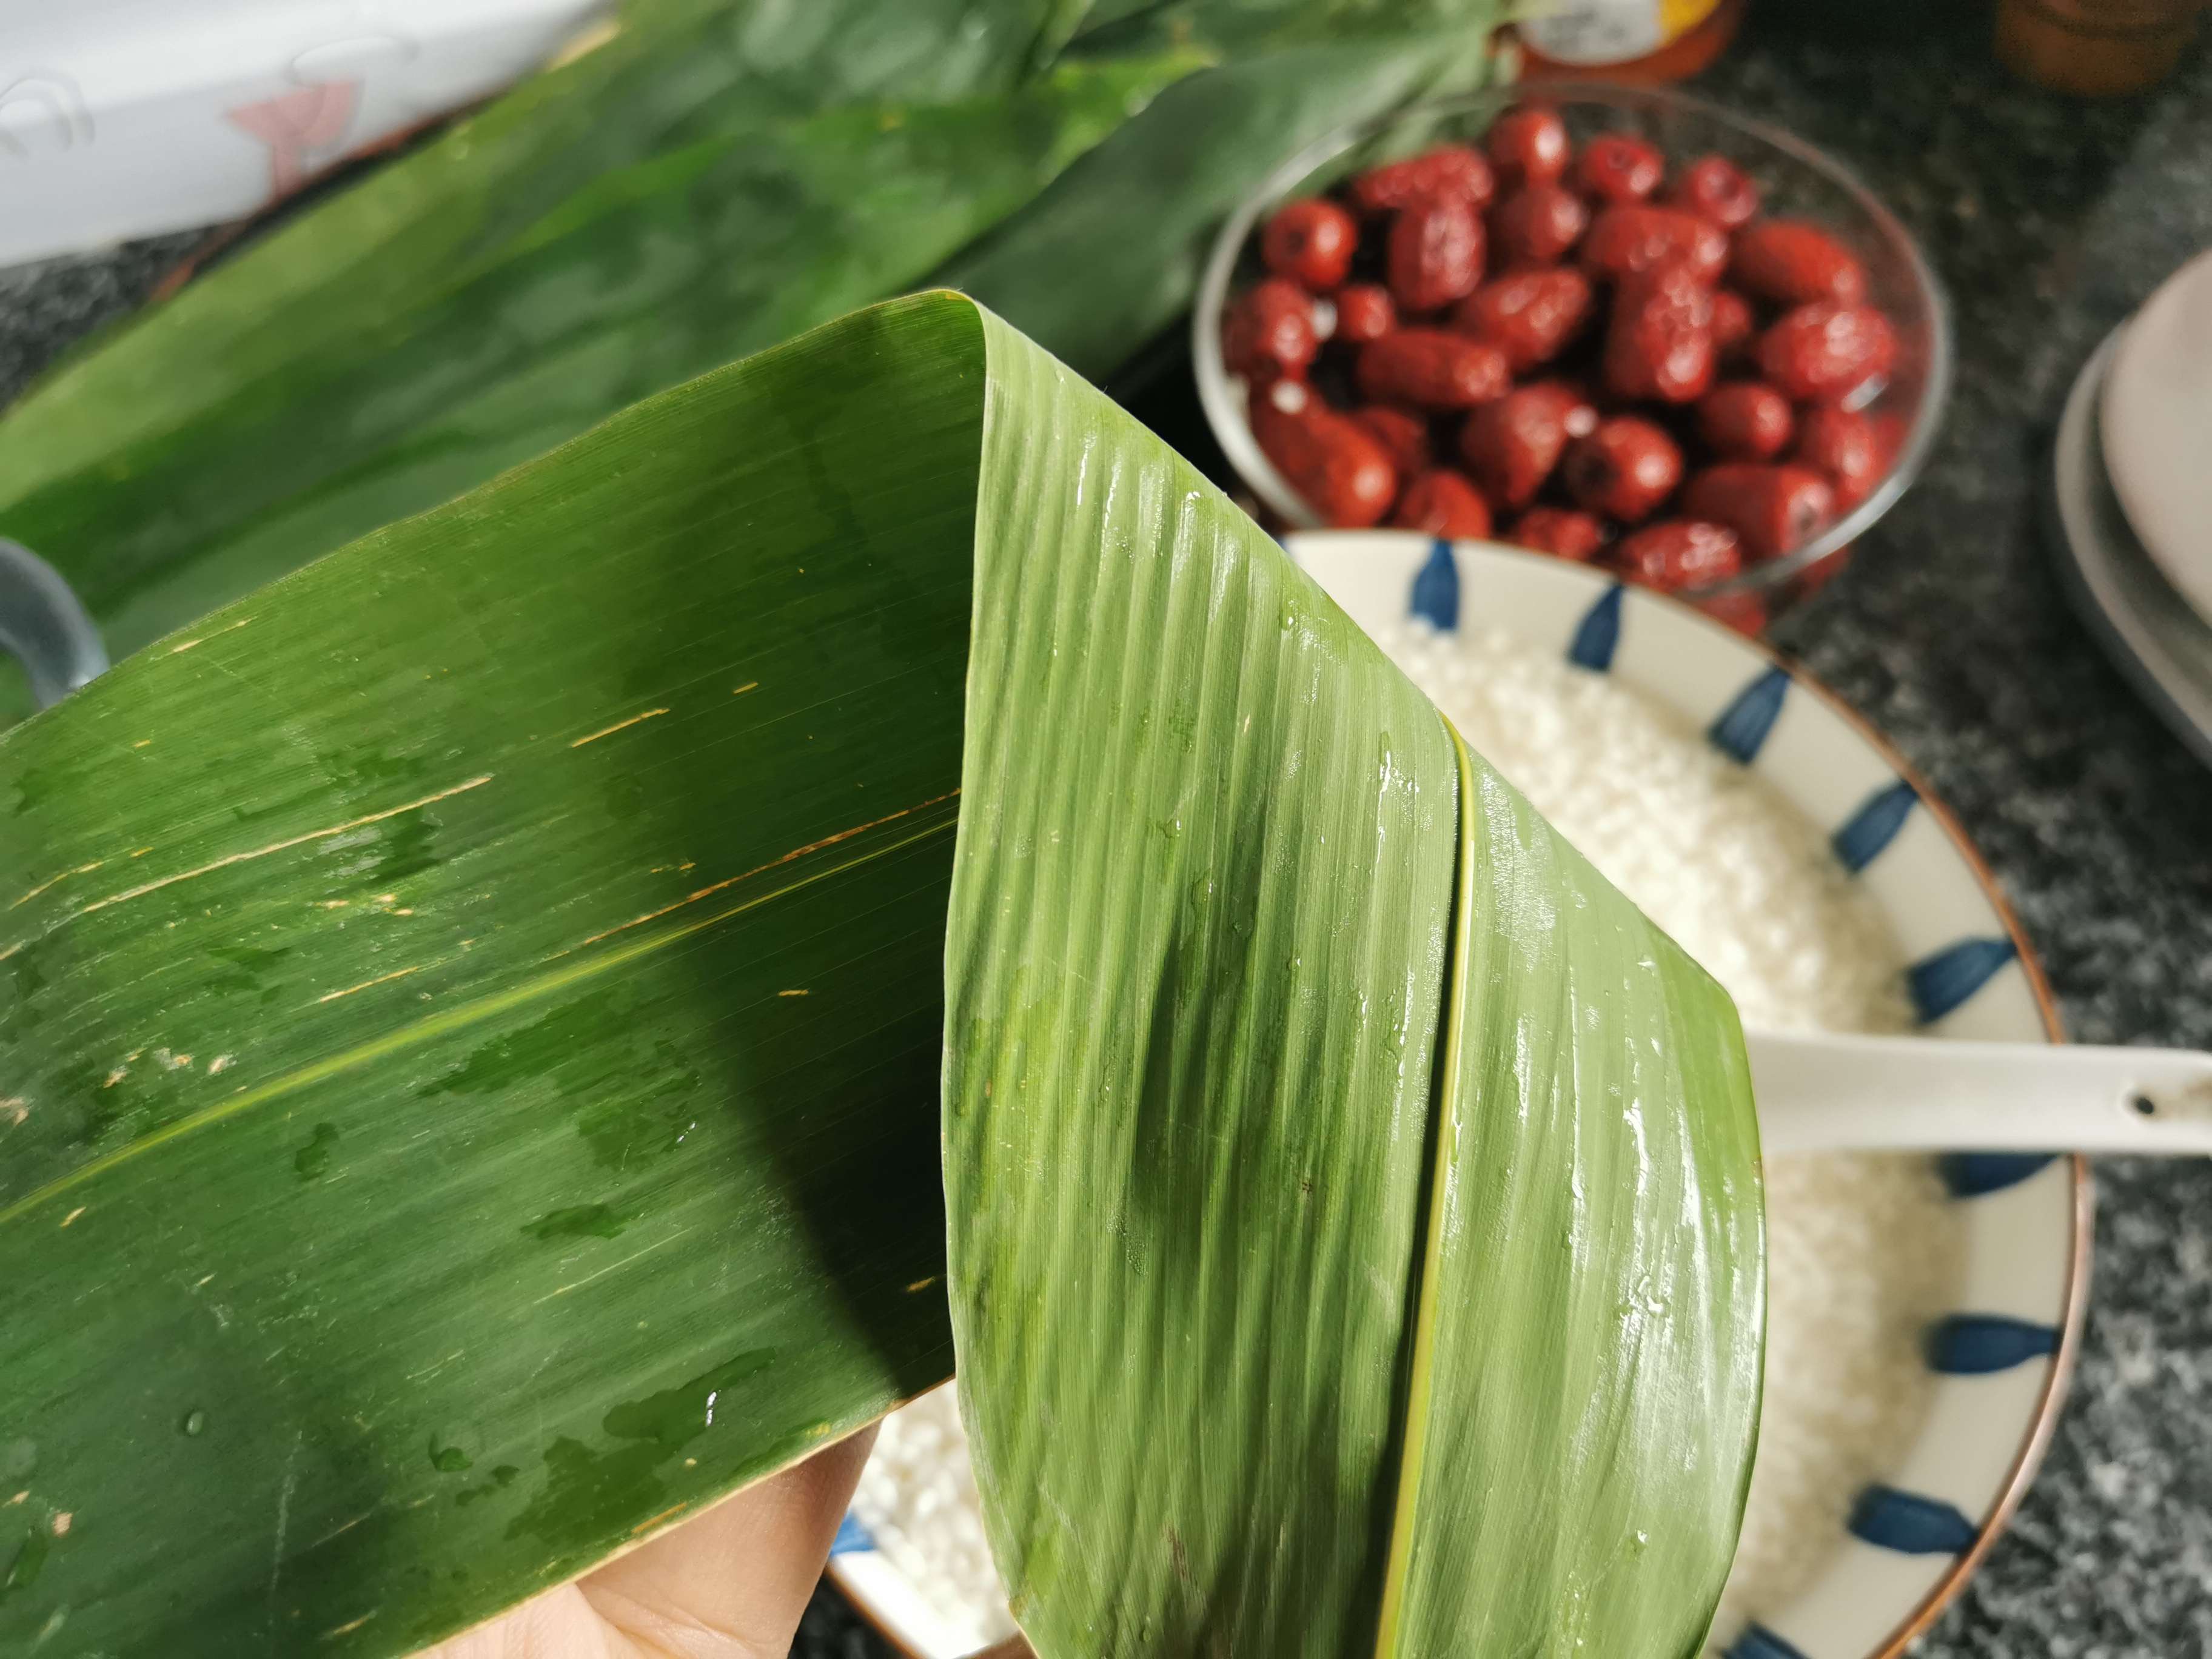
point(1575, 353)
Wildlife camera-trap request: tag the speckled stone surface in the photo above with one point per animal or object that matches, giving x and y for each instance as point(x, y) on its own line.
point(46, 308)
point(2049, 220)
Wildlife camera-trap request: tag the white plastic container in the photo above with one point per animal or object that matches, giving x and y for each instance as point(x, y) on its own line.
point(127, 118)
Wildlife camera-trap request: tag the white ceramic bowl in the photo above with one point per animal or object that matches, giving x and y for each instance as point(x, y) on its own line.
point(2002, 1359)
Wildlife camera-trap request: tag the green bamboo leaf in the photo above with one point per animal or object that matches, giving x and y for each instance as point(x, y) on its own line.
point(715, 179)
point(1587, 1365)
point(1259, 1352)
point(1124, 25)
point(1184, 1129)
point(482, 996)
point(646, 276)
point(474, 1021)
point(1108, 253)
point(677, 72)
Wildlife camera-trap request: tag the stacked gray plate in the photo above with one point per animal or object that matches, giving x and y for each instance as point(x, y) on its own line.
point(2149, 629)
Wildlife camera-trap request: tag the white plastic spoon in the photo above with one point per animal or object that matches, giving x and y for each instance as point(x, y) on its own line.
point(1832, 1094)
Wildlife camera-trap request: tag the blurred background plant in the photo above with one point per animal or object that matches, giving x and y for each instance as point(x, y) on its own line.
point(709, 179)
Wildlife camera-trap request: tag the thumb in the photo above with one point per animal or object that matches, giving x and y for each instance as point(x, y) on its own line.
point(732, 1583)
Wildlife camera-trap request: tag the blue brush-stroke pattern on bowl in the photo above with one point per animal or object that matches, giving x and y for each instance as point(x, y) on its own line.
point(1979, 1344)
point(1436, 588)
point(1943, 983)
point(1875, 825)
point(852, 1536)
point(1740, 731)
point(1910, 1524)
point(1972, 1175)
point(1759, 1642)
point(1597, 636)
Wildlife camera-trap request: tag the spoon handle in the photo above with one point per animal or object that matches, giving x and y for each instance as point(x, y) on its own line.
point(1818, 1092)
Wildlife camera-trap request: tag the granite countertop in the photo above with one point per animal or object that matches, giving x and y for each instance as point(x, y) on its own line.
point(2049, 220)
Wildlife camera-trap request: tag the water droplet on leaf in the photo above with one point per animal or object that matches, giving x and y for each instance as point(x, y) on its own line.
point(448, 1459)
point(312, 1159)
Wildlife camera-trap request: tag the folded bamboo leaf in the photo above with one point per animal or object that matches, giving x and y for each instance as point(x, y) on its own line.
point(1258, 1353)
point(474, 1012)
point(1573, 1475)
point(1184, 1129)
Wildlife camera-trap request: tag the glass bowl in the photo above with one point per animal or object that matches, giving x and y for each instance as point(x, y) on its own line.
point(1796, 179)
